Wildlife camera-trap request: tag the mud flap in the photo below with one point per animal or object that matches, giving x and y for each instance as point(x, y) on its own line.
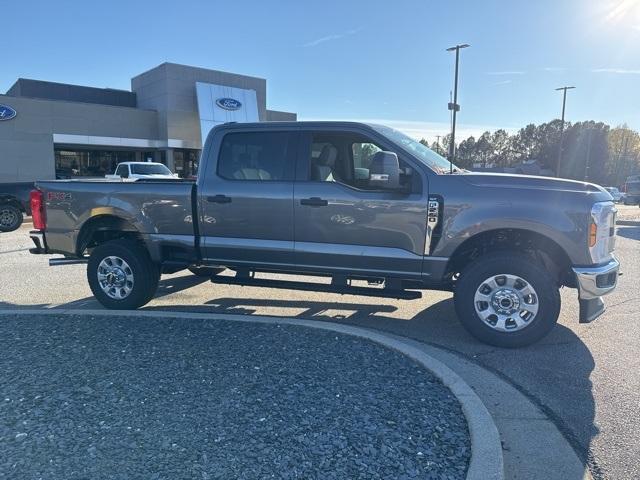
point(591, 309)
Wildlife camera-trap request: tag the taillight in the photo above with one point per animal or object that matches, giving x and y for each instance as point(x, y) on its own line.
point(37, 210)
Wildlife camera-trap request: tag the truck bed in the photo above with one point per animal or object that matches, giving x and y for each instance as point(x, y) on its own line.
point(157, 209)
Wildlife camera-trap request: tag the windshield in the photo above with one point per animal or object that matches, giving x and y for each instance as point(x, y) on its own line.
point(150, 169)
point(420, 151)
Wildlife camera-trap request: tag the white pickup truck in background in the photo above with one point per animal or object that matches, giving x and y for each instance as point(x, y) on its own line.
point(132, 171)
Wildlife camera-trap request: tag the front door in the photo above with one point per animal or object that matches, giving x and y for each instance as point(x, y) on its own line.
point(246, 200)
point(344, 225)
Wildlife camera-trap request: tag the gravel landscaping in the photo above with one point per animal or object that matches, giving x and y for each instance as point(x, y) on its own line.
point(89, 398)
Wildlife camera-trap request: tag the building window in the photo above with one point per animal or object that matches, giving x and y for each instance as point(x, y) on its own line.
point(89, 163)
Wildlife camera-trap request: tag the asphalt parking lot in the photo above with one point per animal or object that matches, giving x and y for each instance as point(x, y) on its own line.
point(586, 377)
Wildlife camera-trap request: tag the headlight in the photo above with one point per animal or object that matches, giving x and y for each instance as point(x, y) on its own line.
point(601, 239)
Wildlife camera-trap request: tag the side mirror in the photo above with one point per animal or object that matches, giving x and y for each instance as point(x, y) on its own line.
point(384, 171)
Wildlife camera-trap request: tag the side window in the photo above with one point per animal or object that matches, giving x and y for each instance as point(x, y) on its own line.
point(347, 158)
point(362, 153)
point(254, 156)
point(341, 157)
point(120, 171)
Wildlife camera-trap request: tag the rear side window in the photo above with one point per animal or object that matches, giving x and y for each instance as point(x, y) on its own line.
point(254, 156)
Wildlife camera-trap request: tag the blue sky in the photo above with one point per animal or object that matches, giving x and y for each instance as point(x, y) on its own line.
point(369, 60)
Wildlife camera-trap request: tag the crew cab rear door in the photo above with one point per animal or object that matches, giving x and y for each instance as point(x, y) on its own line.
point(246, 197)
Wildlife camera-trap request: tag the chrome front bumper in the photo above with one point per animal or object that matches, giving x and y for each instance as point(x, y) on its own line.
point(593, 283)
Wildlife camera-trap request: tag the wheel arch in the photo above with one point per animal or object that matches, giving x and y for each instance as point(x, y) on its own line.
point(102, 228)
point(536, 245)
point(11, 200)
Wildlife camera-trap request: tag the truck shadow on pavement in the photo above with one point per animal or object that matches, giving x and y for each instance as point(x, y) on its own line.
point(632, 233)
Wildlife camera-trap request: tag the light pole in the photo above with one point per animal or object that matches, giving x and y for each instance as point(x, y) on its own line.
point(454, 106)
point(564, 103)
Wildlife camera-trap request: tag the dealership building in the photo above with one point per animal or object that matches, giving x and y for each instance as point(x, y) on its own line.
point(52, 130)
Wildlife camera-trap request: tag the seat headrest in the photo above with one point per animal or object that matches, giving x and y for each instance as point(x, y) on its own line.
point(328, 156)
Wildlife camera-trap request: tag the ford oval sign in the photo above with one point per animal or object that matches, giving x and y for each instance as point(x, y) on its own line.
point(6, 112)
point(229, 103)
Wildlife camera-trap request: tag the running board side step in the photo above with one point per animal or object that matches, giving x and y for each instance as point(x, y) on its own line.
point(317, 287)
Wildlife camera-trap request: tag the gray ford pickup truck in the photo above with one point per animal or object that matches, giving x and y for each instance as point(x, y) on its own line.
point(368, 208)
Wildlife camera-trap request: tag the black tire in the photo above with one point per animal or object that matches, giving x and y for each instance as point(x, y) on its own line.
point(508, 263)
point(206, 271)
point(145, 274)
point(10, 218)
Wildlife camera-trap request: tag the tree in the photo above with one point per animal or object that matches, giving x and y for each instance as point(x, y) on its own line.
point(624, 154)
point(591, 150)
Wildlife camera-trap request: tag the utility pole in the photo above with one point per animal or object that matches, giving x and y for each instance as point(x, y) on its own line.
point(564, 103)
point(438, 143)
point(454, 106)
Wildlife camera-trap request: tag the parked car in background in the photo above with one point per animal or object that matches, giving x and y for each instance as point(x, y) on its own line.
point(14, 204)
point(632, 190)
point(350, 201)
point(132, 171)
point(617, 195)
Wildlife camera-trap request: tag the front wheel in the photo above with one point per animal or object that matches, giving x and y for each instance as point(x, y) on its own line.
point(10, 218)
point(121, 275)
point(507, 300)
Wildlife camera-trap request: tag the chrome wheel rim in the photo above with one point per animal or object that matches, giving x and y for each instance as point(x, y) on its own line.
point(115, 277)
point(506, 303)
point(7, 218)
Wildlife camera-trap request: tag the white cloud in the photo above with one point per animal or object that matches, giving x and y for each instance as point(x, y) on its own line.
point(334, 36)
point(504, 82)
point(508, 72)
point(554, 69)
point(621, 71)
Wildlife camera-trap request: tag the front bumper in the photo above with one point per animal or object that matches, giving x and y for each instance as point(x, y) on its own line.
point(594, 282)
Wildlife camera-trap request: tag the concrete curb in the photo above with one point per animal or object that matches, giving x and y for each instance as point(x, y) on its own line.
point(486, 449)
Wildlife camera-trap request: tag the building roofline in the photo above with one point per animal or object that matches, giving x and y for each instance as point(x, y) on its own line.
point(163, 64)
point(75, 102)
point(68, 85)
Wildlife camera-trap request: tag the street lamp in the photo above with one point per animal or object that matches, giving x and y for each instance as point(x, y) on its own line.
point(454, 106)
point(564, 102)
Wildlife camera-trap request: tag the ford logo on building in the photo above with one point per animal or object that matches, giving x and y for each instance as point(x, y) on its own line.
point(6, 112)
point(229, 103)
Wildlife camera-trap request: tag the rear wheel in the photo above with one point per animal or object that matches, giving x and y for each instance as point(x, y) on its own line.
point(206, 271)
point(10, 218)
point(121, 275)
point(507, 300)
